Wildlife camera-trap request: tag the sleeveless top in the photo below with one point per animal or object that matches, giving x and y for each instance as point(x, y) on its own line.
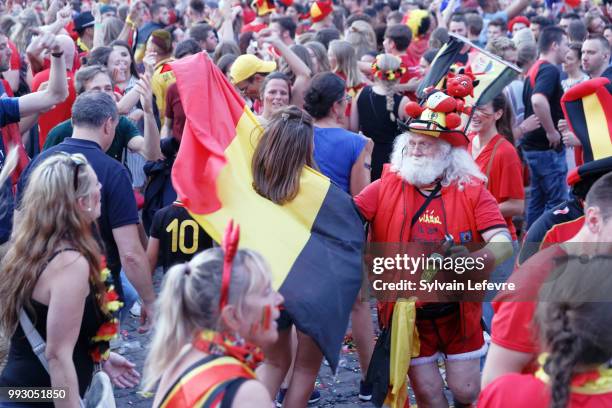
point(375, 122)
point(211, 382)
point(23, 368)
point(335, 151)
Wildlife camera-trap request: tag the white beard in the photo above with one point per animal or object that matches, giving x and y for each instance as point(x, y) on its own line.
point(422, 171)
point(449, 164)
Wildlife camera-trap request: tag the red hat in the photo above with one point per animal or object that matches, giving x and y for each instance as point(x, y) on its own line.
point(263, 7)
point(439, 114)
point(319, 10)
point(518, 19)
point(286, 3)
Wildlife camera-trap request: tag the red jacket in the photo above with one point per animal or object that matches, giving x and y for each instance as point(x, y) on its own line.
point(465, 222)
point(387, 213)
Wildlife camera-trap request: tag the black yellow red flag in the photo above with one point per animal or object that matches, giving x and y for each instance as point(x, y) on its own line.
point(313, 244)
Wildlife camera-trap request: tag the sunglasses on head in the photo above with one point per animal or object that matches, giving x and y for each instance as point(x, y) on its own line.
point(77, 163)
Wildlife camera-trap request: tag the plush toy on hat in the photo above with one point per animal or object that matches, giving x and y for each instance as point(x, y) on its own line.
point(440, 114)
point(460, 83)
point(320, 9)
point(263, 7)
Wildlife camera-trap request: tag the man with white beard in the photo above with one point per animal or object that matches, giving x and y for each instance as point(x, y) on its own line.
point(432, 174)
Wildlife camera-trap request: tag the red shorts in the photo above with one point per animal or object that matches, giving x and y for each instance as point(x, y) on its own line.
point(458, 336)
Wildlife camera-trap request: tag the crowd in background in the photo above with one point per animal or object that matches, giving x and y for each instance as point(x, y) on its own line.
point(94, 80)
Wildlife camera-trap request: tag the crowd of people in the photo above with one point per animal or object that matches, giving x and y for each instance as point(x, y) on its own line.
point(91, 123)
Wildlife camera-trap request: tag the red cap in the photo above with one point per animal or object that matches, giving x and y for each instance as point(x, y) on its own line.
point(518, 19)
point(320, 9)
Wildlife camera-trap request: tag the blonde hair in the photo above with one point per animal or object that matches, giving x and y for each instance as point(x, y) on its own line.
point(499, 45)
point(346, 62)
point(388, 62)
point(49, 216)
point(189, 302)
point(362, 37)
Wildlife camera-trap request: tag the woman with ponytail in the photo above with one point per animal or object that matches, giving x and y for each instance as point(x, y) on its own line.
point(378, 108)
point(213, 313)
point(575, 325)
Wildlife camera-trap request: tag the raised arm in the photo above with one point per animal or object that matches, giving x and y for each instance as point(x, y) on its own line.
point(57, 91)
point(228, 15)
point(63, 17)
point(298, 67)
point(98, 37)
point(516, 7)
point(151, 149)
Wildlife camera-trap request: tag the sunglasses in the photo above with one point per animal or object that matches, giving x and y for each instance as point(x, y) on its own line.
point(77, 163)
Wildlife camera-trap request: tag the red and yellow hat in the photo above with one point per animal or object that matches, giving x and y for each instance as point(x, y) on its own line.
point(436, 124)
point(263, 7)
point(517, 20)
point(413, 19)
point(320, 9)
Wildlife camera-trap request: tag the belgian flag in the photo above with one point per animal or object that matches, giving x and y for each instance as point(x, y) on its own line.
point(314, 244)
point(586, 107)
point(492, 73)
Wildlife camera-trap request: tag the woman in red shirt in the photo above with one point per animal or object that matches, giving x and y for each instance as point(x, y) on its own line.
point(575, 325)
point(492, 148)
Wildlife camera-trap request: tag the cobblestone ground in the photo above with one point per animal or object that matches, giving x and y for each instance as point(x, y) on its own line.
point(340, 391)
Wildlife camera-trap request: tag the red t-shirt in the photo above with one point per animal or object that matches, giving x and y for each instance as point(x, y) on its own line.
point(413, 70)
point(15, 57)
point(512, 325)
point(562, 232)
point(60, 112)
point(485, 211)
point(418, 47)
point(255, 27)
point(174, 111)
point(506, 177)
point(525, 390)
point(248, 14)
point(430, 225)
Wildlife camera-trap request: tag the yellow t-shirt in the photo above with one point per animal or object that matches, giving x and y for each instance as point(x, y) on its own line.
point(163, 77)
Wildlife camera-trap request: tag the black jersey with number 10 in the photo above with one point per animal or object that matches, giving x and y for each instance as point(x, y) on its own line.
point(180, 236)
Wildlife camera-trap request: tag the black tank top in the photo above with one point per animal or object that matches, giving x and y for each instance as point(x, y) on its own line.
point(375, 122)
point(23, 367)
